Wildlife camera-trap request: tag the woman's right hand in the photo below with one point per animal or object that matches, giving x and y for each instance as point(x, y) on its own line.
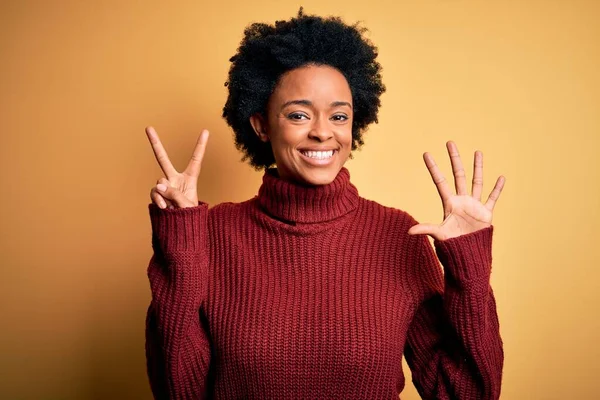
point(176, 189)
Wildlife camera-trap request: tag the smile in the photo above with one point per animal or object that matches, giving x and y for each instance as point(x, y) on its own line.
point(318, 155)
point(318, 158)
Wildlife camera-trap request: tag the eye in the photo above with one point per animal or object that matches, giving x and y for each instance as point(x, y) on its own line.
point(340, 117)
point(297, 116)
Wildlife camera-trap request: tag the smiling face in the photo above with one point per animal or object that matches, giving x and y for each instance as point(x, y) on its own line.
point(309, 124)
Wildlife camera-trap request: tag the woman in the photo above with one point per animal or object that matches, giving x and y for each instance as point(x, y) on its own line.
point(309, 290)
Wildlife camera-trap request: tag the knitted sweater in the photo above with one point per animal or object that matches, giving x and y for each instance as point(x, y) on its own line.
point(316, 293)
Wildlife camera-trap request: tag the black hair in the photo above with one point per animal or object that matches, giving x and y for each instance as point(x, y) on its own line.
point(268, 51)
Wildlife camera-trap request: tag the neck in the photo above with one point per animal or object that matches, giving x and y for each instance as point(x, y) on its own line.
point(300, 203)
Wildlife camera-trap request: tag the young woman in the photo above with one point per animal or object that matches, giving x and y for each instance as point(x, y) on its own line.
point(308, 290)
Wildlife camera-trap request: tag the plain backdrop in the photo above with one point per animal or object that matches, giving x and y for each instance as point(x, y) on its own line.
point(518, 80)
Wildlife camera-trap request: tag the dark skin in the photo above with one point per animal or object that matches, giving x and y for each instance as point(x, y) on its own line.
point(176, 189)
point(310, 110)
point(309, 125)
point(463, 212)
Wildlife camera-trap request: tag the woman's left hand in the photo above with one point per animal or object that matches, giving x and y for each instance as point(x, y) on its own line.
point(463, 213)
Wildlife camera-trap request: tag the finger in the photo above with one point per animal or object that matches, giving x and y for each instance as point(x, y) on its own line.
point(165, 181)
point(477, 175)
point(425, 229)
point(195, 164)
point(157, 199)
point(440, 182)
point(160, 153)
point(491, 201)
point(177, 198)
point(460, 178)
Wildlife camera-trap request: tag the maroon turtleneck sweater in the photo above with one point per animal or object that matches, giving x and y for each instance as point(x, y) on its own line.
point(316, 293)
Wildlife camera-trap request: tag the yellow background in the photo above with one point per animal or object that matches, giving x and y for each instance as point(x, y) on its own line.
point(518, 80)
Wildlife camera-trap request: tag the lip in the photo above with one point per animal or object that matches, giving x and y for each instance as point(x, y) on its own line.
point(318, 149)
point(316, 162)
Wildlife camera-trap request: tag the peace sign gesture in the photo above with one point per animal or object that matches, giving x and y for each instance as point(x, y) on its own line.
point(463, 213)
point(178, 189)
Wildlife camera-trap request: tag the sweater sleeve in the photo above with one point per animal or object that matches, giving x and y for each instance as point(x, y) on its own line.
point(454, 348)
point(177, 345)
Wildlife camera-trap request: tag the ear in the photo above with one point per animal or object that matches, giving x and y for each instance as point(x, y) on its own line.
point(260, 126)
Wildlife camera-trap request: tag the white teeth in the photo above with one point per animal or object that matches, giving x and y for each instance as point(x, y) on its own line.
point(320, 155)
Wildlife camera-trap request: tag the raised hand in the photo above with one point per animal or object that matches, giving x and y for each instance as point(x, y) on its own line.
point(463, 213)
point(176, 189)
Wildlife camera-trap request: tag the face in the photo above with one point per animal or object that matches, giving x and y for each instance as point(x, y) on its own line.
point(309, 124)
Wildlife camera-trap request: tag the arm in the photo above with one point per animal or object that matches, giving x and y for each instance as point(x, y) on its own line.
point(454, 348)
point(177, 346)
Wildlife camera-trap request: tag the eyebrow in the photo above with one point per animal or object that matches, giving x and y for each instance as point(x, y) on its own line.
point(309, 103)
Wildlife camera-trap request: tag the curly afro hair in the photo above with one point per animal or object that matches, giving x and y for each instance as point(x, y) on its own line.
point(268, 51)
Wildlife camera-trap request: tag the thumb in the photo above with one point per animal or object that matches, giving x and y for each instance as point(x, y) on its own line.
point(424, 229)
point(174, 195)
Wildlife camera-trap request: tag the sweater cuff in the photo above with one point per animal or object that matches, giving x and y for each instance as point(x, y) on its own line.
point(466, 257)
point(179, 229)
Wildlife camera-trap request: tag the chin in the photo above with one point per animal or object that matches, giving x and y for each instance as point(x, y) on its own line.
point(319, 176)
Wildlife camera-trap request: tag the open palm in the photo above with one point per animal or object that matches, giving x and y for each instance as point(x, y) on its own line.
point(463, 212)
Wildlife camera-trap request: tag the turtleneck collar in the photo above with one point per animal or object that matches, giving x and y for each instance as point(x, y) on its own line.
point(294, 202)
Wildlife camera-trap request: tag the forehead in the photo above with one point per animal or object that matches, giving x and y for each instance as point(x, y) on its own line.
point(319, 84)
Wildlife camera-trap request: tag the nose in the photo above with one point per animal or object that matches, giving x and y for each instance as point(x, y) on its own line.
point(320, 130)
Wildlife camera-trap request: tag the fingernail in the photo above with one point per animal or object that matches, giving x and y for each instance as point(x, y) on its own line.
point(161, 187)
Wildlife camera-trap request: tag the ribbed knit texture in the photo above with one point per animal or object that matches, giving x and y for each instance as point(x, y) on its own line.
point(317, 293)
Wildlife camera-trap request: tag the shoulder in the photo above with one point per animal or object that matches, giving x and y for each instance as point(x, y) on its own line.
point(228, 208)
point(393, 218)
point(230, 213)
point(414, 253)
point(387, 229)
point(390, 225)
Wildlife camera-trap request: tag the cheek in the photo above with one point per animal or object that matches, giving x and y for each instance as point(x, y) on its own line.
point(346, 135)
point(290, 135)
